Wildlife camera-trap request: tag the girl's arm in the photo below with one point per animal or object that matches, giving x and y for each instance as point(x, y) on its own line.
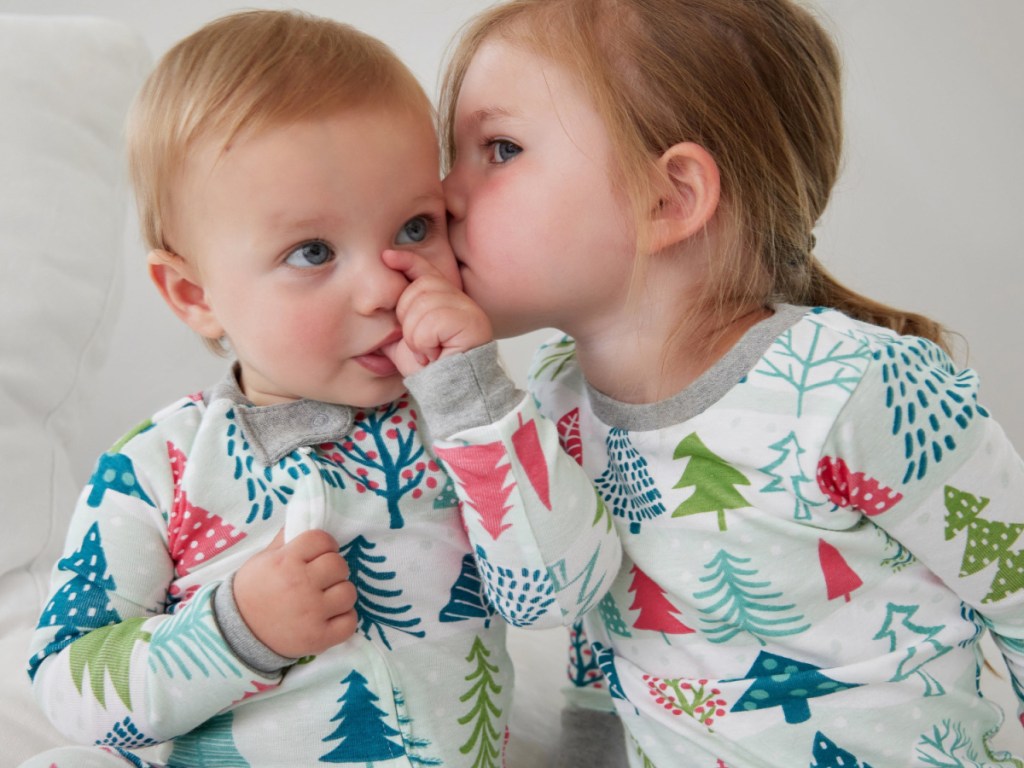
point(917, 454)
point(545, 545)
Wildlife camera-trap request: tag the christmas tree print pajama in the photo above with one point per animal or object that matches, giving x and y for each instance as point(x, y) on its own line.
point(815, 535)
point(141, 643)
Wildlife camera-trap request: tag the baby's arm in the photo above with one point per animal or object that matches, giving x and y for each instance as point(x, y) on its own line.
point(118, 658)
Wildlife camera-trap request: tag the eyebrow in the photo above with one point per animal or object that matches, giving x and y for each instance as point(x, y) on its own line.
point(486, 114)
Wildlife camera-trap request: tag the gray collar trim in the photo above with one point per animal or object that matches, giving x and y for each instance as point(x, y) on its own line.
point(274, 431)
point(708, 389)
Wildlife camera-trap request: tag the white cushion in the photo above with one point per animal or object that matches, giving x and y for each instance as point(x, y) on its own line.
point(65, 85)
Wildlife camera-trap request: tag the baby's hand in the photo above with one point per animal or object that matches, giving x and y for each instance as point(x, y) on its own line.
point(296, 597)
point(437, 318)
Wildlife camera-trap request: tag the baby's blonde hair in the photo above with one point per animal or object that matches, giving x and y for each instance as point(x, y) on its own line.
point(757, 83)
point(250, 71)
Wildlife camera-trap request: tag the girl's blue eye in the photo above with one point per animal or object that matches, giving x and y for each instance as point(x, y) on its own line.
point(312, 254)
point(503, 150)
point(415, 230)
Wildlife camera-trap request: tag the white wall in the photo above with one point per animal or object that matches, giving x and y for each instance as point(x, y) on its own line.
point(929, 212)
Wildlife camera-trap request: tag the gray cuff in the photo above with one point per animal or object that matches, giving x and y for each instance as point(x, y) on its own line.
point(240, 639)
point(462, 391)
point(591, 739)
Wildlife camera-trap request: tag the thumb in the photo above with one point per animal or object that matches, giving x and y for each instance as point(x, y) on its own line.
point(277, 542)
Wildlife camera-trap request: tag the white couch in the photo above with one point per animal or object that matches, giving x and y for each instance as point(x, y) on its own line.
point(64, 86)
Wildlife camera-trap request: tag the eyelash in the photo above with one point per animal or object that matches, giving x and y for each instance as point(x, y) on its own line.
point(488, 145)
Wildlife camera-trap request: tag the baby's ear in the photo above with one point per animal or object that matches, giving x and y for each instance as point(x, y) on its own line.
point(690, 184)
point(179, 284)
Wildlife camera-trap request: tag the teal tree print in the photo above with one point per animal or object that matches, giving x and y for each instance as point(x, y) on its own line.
point(267, 488)
point(211, 745)
point(363, 735)
point(612, 618)
point(384, 456)
point(583, 670)
point(713, 480)
point(414, 746)
point(83, 603)
point(588, 587)
point(787, 683)
point(468, 597)
point(606, 661)
point(115, 472)
point(369, 578)
point(626, 484)
point(929, 403)
point(918, 643)
point(484, 742)
point(521, 596)
point(189, 645)
point(810, 365)
point(692, 698)
point(126, 735)
point(788, 476)
point(946, 745)
point(827, 754)
point(743, 603)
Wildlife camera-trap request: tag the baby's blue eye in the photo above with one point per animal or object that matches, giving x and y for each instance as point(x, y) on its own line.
point(311, 254)
point(503, 150)
point(415, 230)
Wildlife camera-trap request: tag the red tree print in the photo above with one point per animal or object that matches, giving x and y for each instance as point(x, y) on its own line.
point(655, 609)
point(476, 468)
point(840, 578)
point(854, 489)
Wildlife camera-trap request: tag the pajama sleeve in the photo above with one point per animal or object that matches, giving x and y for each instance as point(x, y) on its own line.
point(916, 453)
point(119, 658)
point(544, 541)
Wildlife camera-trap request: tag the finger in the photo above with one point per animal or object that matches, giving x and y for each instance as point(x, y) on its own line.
point(277, 542)
point(339, 599)
point(341, 628)
point(327, 570)
point(310, 545)
point(409, 263)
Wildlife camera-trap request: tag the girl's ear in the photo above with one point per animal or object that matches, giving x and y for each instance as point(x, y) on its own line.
point(177, 282)
point(690, 180)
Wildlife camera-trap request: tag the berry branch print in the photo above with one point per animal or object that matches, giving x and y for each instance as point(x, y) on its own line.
point(685, 697)
point(383, 456)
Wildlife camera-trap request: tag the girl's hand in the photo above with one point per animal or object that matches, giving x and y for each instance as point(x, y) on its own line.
point(296, 597)
point(437, 318)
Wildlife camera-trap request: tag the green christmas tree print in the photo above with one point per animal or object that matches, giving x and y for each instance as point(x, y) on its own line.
point(827, 754)
point(627, 484)
point(988, 542)
point(808, 366)
point(929, 402)
point(743, 603)
point(484, 742)
point(788, 476)
point(107, 653)
point(785, 683)
point(211, 745)
point(363, 735)
point(920, 644)
point(554, 358)
point(714, 481)
point(368, 578)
